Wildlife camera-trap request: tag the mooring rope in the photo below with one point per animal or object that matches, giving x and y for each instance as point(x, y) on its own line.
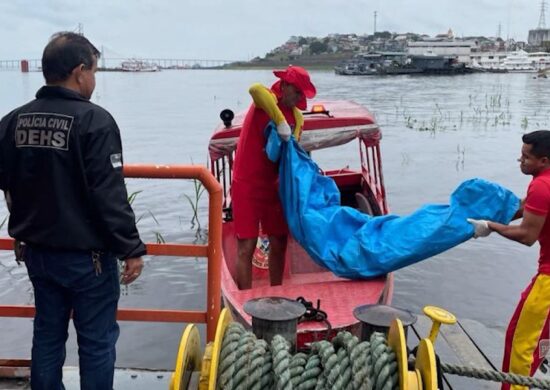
point(345, 363)
point(495, 376)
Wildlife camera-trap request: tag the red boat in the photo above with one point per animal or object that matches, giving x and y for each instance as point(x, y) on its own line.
point(328, 124)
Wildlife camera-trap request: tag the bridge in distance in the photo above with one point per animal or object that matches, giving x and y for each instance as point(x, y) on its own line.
point(115, 63)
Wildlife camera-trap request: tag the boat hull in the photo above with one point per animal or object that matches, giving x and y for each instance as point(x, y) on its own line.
point(337, 297)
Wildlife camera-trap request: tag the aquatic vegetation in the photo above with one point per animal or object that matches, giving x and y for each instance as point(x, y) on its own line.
point(194, 202)
point(132, 196)
point(409, 122)
point(524, 123)
point(158, 236)
point(484, 111)
point(461, 157)
point(433, 125)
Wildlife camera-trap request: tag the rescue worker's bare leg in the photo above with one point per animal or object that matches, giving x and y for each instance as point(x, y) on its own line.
point(245, 250)
point(277, 251)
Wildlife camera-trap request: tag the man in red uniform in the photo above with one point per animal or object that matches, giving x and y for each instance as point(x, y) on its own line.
point(527, 337)
point(254, 190)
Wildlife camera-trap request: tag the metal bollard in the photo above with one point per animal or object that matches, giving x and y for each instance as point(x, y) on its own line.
point(378, 318)
point(275, 315)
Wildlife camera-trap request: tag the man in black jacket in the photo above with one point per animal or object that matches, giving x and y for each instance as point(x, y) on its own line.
point(61, 168)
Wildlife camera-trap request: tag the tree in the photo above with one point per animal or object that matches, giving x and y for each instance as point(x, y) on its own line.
point(317, 47)
point(383, 34)
point(302, 41)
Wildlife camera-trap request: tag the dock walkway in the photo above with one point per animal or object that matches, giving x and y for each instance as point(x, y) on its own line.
point(466, 343)
point(124, 379)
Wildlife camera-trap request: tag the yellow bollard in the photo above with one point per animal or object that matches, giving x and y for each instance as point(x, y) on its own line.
point(188, 358)
point(425, 364)
point(439, 316)
point(408, 380)
point(209, 370)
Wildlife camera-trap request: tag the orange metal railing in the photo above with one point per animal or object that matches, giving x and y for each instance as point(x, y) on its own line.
point(212, 251)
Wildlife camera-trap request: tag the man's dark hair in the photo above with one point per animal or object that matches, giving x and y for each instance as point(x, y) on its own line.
point(540, 141)
point(65, 51)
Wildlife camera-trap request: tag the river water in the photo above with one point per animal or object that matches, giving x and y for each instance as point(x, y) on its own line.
point(437, 132)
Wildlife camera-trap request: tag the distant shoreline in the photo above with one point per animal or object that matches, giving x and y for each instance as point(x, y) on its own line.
point(320, 62)
point(316, 62)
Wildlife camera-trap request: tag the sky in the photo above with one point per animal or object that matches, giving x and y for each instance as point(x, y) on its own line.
point(243, 29)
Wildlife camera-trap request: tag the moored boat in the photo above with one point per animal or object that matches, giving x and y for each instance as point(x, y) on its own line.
point(515, 62)
point(134, 65)
point(328, 124)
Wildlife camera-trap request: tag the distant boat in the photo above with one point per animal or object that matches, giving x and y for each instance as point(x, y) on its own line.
point(138, 66)
point(398, 63)
point(518, 61)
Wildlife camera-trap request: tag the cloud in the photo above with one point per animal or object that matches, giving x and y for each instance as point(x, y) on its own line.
point(240, 29)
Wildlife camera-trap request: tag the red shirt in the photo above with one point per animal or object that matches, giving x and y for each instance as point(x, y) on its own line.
point(538, 202)
point(252, 168)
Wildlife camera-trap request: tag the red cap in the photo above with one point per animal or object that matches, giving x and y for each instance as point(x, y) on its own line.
point(299, 77)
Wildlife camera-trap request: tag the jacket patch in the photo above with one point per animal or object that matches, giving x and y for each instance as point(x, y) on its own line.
point(43, 130)
point(116, 160)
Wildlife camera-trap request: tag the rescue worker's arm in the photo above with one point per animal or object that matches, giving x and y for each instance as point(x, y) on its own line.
point(267, 101)
point(519, 213)
point(299, 118)
point(527, 232)
point(102, 156)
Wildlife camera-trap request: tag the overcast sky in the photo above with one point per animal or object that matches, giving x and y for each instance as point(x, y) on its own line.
point(242, 29)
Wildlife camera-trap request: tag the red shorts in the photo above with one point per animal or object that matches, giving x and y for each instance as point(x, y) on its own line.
point(249, 212)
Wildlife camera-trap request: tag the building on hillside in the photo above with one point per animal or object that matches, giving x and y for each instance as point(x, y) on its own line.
point(448, 35)
point(460, 49)
point(299, 50)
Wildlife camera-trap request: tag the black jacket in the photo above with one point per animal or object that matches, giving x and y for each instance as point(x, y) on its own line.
point(61, 163)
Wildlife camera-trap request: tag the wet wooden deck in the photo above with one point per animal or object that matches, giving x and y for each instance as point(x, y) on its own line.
point(466, 343)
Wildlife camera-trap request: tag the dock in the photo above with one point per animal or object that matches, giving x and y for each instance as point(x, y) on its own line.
point(466, 343)
point(134, 379)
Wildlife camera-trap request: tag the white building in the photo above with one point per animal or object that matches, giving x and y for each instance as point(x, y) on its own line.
point(460, 49)
point(538, 36)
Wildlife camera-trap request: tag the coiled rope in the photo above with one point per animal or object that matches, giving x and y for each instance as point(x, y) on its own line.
point(345, 363)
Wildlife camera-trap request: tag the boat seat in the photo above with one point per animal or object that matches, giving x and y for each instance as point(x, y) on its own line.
point(363, 204)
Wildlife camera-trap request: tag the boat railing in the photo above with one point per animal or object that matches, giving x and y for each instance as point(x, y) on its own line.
point(212, 251)
point(371, 164)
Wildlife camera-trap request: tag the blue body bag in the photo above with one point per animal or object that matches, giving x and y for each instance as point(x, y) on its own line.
point(355, 245)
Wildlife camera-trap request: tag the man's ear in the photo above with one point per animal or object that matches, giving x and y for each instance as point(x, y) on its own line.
point(77, 72)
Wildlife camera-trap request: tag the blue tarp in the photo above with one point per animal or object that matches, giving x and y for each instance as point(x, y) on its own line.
point(355, 245)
